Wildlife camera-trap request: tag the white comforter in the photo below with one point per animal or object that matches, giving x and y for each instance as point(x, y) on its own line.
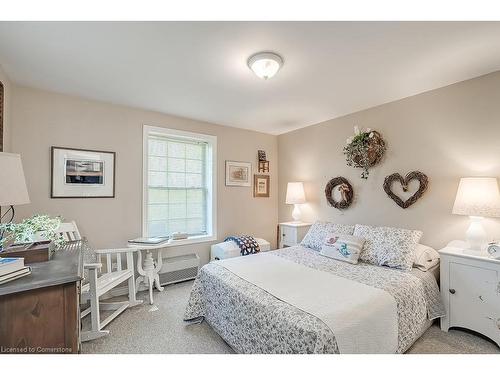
point(363, 318)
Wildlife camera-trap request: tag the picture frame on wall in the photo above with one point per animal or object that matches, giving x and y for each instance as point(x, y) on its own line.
point(80, 173)
point(261, 186)
point(238, 173)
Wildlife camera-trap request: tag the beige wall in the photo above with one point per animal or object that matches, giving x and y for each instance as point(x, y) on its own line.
point(42, 119)
point(446, 133)
point(7, 92)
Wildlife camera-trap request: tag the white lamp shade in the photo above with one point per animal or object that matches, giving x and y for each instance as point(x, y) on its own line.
point(477, 196)
point(13, 189)
point(295, 193)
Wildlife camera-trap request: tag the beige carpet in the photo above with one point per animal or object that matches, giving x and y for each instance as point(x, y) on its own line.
point(159, 328)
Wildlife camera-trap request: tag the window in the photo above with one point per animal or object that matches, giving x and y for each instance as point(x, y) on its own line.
point(179, 183)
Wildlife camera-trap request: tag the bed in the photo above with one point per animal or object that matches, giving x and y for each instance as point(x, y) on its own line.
point(256, 313)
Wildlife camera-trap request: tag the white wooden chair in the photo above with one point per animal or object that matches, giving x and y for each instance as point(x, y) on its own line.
point(97, 283)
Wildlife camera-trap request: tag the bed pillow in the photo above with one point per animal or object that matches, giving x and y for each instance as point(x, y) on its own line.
point(342, 247)
point(316, 235)
point(425, 257)
point(391, 247)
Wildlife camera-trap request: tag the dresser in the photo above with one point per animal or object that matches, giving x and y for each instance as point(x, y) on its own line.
point(291, 233)
point(470, 288)
point(40, 313)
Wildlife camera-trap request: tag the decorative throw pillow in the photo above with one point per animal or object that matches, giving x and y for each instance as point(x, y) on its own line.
point(315, 237)
point(425, 257)
point(385, 246)
point(342, 247)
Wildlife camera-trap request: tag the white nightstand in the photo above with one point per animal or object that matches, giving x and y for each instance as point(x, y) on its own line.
point(291, 233)
point(470, 288)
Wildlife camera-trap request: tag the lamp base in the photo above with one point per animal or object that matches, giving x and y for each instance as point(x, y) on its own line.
point(11, 209)
point(476, 236)
point(296, 214)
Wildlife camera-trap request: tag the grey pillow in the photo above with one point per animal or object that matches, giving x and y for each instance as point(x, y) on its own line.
point(386, 246)
point(316, 235)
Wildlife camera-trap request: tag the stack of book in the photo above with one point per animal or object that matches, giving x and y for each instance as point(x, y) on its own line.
point(12, 268)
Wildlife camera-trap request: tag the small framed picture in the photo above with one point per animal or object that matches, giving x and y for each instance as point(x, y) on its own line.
point(261, 186)
point(77, 173)
point(238, 173)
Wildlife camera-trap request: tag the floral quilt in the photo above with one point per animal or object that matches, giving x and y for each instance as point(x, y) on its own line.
point(251, 320)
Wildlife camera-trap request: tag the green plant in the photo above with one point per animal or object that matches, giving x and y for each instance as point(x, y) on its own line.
point(364, 150)
point(26, 230)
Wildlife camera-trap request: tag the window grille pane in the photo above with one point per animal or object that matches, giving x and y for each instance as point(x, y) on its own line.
point(158, 212)
point(177, 196)
point(177, 211)
point(193, 180)
point(157, 179)
point(158, 195)
point(194, 166)
point(176, 150)
point(176, 165)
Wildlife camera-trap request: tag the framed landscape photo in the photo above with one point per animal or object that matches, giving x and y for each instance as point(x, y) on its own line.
point(238, 173)
point(77, 173)
point(261, 186)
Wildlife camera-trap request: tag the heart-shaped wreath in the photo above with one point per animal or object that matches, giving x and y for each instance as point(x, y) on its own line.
point(415, 175)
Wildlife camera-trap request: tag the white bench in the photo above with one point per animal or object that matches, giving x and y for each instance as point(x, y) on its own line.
point(230, 249)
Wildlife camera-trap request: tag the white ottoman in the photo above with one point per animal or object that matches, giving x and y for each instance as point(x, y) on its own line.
point(229, 249)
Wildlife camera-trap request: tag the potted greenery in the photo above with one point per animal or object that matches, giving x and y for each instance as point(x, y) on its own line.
point(364, 149)
point(35, 228)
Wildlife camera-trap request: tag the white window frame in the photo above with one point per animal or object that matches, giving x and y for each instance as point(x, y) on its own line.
point(211, 177)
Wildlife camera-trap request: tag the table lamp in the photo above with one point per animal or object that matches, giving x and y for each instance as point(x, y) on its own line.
point(477, 197)
point(295, 195)
point(13, 189)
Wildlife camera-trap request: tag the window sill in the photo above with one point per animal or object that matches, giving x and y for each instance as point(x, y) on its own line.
point(174, 243)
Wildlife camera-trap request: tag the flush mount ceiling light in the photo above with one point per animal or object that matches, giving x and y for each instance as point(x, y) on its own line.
point(265, 64)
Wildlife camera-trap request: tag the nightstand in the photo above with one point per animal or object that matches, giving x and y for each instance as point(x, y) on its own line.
point(470, 288)
point(292, 233)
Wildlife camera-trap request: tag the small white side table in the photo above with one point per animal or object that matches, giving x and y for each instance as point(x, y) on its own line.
point(470, 288)
point(148, 271)
point(292, 233)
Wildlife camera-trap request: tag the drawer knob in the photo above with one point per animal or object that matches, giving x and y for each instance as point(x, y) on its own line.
point(452, 291)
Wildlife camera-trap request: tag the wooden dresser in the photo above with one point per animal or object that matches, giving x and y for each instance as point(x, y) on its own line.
point(39, 313)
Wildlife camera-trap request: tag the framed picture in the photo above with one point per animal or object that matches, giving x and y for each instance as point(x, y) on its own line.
point(238, 173)
point(77, 173)
point(261, 186)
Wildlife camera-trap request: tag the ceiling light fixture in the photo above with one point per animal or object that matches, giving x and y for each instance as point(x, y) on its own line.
point(265, 64)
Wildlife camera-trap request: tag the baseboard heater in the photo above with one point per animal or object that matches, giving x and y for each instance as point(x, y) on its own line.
point(179, 268)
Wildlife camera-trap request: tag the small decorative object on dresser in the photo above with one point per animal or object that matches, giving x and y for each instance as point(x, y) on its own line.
point(344, 189)
point(364, 150)
point(292, 233)
point(238, 173)
point(77, 173)
point(470, 288)
point(396, 177)
point(295, 195)
point(261, 186)
point(477, 197)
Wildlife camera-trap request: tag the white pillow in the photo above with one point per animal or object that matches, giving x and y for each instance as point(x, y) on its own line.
point(425, 257)
point(342, 247)
point(391, 247)
point(315, 237)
